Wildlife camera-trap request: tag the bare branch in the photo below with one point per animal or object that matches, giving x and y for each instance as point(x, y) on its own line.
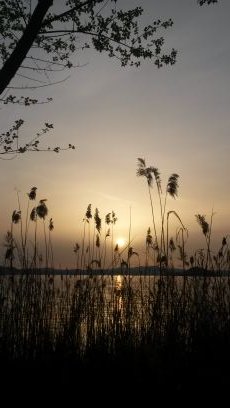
point(39, 86)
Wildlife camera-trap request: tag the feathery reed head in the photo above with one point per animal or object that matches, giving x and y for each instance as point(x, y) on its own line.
point(32, 193)
point(114, 218)
point(33, 214)
point(142, 170)
point(141, 167)
point(42, 209)
point(97, 220)
point(156, 173)
point(203, 223)
point(108, 218)
point(141, 162)
point(16, 216)
point(76, 248)
point(88, 213)
point(172, 186)
point(149, 238)
point(51, 224)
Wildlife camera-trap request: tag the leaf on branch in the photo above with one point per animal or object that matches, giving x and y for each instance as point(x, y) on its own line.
point(9, 141)
point(202, 2)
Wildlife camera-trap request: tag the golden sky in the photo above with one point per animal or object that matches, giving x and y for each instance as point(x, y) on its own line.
point(177, 118)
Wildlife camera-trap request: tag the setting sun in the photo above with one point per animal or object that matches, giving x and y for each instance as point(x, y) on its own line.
point(120, 242)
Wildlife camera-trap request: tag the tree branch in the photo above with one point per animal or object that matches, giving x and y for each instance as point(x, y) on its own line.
point(11, 66)
point(66, 13)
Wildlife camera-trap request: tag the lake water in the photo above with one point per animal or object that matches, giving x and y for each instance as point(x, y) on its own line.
point(86, 306)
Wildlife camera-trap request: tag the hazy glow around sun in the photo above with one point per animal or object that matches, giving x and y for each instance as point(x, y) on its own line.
point(120, 242)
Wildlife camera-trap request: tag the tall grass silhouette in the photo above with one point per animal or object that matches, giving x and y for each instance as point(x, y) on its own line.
point(160, 245)
point(155, 331)
point(19, 249)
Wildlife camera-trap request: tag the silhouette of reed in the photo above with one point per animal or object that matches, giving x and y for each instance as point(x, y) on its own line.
point(152, 173)
point(18, 246)
point(153, 332)
point(158, 332)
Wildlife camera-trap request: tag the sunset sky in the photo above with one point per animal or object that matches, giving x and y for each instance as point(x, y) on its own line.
point(177, 118)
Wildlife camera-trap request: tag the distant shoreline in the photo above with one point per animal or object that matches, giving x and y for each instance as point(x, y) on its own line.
point(135, 271)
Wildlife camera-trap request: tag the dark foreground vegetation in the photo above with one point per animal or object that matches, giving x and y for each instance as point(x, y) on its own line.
point(109, 338)
point(134, 338)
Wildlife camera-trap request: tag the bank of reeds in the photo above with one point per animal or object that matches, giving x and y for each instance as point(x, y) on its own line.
point(165, 329)
point(153, 332)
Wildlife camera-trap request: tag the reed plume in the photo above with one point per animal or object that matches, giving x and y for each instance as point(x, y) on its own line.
point(207, 230)
point(42, 212)
point(41, 209)
point(16, 217)
point(172, 185)
point(172, 190)
point(50, 246)
point(143, 171)
point(97, 220)
point(86, 220)
point(203, 223)
point(32, 193)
